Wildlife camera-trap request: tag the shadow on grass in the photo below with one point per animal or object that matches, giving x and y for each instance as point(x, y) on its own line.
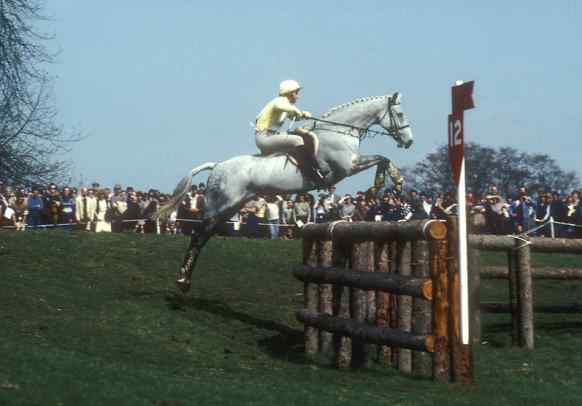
point(286, 345)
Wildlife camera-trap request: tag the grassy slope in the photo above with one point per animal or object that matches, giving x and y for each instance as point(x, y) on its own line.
point(95, 319)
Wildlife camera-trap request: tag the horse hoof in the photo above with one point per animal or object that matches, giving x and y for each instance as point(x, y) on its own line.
point(183, 285)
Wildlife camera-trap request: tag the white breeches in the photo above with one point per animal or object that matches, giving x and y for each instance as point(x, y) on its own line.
point(270, 143)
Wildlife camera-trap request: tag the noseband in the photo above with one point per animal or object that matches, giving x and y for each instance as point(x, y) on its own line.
point(394, 126)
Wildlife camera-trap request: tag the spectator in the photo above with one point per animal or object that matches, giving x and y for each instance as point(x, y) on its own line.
point(35, 206)
point(288, 219)
point(347, 208)
point(133, 213)
point(570, 217)
point(20, 212)
point(272, 216)
point(557, 212)
point(302, 211)
point(118, 208)
point(150, 207)
point(68, 207)
point(331, 203)
point(361, 212)
point(321, 213)
point(102, 212)
point(542, 213)
point(52, 205)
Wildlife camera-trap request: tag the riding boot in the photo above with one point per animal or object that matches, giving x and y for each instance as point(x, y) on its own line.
point(308, 165)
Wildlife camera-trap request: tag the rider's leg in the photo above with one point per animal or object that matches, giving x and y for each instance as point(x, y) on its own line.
point(307, 155)
point(299, 144)
point(270, 143)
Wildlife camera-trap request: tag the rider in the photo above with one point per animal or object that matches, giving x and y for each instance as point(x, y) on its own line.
point(300, 143)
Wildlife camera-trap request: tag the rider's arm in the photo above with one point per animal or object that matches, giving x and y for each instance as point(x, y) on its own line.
point(283, 104)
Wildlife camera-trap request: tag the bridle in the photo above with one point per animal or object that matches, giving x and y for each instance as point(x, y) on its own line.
point(393, 129)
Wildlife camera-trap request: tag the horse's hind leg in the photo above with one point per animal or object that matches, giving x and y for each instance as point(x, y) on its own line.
point(197, 242)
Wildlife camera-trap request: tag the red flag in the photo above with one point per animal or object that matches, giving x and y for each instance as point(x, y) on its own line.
point(463, 96)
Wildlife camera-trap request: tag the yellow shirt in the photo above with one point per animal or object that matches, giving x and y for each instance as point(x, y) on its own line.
point(274, 114)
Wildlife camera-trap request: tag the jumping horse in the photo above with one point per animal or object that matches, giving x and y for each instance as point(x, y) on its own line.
point(234, 182)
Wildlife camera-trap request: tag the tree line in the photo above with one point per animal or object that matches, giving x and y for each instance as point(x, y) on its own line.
point(506, 167)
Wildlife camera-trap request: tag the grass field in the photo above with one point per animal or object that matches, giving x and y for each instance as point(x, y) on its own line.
point(95, 319)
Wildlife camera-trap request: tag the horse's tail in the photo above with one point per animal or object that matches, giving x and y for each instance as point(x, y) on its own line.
point(182, 190)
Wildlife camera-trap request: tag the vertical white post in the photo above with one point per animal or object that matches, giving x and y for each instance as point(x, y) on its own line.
point(552, 229)
point(463, 259)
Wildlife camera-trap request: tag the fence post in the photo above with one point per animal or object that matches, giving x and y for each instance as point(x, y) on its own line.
point(404, 306)
point(383, 264)
point(441, 356)
point(525, 284)
point(421, 309)
point(358, 303)
point(326, 295)
point(311, 294)
point(343, 344)
point(513, 291)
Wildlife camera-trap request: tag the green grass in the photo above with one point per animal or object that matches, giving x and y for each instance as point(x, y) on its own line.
point(95, 319)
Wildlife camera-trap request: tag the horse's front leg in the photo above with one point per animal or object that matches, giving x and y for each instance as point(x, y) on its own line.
point(363, 162)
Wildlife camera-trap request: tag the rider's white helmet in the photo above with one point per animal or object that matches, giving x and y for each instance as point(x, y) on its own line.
point(288, 86)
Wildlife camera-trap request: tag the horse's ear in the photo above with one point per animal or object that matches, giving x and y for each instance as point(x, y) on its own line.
point(396, 97)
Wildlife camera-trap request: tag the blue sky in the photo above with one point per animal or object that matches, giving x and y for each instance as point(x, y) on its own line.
point(160, 87)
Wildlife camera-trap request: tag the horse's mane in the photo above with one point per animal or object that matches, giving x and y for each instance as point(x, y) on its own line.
point(348, 104)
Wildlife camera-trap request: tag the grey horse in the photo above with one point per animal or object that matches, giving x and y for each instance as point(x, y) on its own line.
point(234, 182)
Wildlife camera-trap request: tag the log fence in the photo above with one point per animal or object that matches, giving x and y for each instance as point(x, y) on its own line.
point(520, 275)
point(383, 291)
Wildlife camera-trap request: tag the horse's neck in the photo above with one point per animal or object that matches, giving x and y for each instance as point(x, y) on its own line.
point(360, 113)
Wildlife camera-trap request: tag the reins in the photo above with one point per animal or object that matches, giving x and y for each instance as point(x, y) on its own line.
point(366, 132)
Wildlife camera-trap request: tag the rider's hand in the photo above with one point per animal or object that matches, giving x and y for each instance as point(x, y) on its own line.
point(306, 114)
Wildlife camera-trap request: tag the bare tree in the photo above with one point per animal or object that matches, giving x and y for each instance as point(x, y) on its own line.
point(30, 138)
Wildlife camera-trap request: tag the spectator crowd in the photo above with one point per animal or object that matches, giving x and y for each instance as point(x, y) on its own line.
point(280, 216)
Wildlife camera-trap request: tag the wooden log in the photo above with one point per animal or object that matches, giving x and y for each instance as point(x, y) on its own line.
point(538, 244)
point(404, 305)
point(382, 251)
point(377, 231)
point(382, 281)
point(325, 294)
point(475, 225)
point(395, 351)
point(491, 242)
point(541, 308)
point(371, 293)
point(421, 309)
point(525, 284)
point(441, 357)
point(513, 296)
point(311, 295)
point(501, 272)
point(343, 344)
point(362, 331)
point(556, 245)
point(358, 305)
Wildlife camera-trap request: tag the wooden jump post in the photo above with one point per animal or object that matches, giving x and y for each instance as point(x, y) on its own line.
point(520, 275)
point(382, 290)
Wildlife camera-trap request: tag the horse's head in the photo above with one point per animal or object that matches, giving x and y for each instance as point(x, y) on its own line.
point(393, 120)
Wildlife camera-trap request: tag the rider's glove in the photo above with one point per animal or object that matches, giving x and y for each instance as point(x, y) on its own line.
point(306, 114)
